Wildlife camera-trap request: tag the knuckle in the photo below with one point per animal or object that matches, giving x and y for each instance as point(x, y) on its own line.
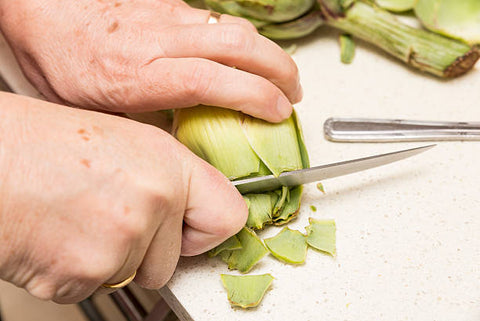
point(42, 289)
point(236, 37)
point(198, 80)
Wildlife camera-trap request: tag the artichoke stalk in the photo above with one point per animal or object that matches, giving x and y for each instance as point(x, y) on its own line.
point(241, 146)
point(424, 50)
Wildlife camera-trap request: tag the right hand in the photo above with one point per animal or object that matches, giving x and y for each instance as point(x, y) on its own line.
point(87, 199)
point(147, 55)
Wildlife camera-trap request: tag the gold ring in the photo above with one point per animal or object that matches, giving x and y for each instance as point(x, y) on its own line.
point(214, 17)
point(120, 284)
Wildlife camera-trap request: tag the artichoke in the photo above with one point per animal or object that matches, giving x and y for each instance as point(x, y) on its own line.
point(365, 19)
point(241, 146)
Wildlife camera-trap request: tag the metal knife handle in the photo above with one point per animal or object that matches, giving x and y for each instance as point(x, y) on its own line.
point(398, 130)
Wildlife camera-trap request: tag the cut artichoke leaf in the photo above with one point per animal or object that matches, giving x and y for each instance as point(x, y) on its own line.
point(281, 201)
point(251, 252)
point(321, 235)
point(301, 141)
point(266, 138)
point(396, 5)
point(453, 18)
point(232, 243)
point(291, 208)
point(288, 245)
point(246, 291)
point(259, 210)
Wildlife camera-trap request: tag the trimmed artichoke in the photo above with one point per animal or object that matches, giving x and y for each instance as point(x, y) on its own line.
point(241, 146)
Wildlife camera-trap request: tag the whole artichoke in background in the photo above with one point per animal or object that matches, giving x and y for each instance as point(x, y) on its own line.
point(365, 19)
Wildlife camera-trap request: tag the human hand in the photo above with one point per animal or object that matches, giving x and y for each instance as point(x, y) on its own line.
point(87, 198)
point(145, 55)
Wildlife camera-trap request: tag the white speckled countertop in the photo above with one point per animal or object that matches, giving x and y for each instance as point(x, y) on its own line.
point(408, 234)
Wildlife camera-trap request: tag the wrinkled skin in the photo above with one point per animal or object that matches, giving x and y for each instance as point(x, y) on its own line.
point(88, 198)
point(143, 55)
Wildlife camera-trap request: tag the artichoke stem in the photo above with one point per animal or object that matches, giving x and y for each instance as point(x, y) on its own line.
point(421, 49)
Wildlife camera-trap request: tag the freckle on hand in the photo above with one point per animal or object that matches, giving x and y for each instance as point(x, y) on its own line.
point(113, 27)
point(85, 162)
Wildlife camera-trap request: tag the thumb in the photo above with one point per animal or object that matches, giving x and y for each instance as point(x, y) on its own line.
point(215, 210)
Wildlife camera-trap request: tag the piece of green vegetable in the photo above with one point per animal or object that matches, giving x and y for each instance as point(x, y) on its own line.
point(321, 235)
point(421, 49)
point(293, 29)
point(246, 291)
point(454, 18)
point(347, 48)
point(321, 188)
point(313, 208)
point(291, 208)
point(396, 5)
point(248, 255)
point(424, 50)
point(262, 10)
point(232, 243)
point(259, 210)
point(288, 245)
point(241, 146)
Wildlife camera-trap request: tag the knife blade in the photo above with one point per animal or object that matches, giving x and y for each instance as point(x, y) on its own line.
point(321, 172)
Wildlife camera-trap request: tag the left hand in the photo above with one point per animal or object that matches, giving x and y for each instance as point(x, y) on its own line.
point(145, 55)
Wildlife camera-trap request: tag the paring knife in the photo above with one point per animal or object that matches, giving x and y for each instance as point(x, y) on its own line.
point(317, 173)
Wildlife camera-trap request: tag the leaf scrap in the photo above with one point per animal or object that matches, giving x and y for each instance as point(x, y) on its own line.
point(230, 244)
point(321, 235)
point(251, 252)
point(246, 291)
point(288, 245)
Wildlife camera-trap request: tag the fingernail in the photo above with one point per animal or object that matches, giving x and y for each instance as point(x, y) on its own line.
point(284, 107)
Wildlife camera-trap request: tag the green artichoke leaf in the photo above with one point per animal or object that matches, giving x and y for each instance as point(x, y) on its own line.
point(251, 252)
point(232, 8)
point(301, 141)
point(215, 134)
point(283, 198)
point(288, 245)
point(246, 291)
point(275, 144)
point(347, 48)
point(263, 10)
point(232, 243)
point(321, 235)
point(294, 29)
point(259, 210)
point(458, 19)
point(291, 208)
point(396, 5)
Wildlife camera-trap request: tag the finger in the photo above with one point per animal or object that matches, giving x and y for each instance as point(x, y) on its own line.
point(234, 45)
point(215, 210)
point(186, 82)
point(162, 255)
